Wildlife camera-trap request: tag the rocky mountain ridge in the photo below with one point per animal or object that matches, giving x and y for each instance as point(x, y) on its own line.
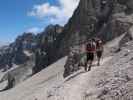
point(27, 55)
point(92, 18)
point(106, 19)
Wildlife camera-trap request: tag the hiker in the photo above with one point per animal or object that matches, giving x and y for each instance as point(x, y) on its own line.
point(90, 49)
point(99, 50)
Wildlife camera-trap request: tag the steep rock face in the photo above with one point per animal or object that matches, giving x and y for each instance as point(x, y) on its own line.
point(45, 47)
point(19, 51)
point(14, 53)
point(93, 18)
point(85, 22)
point(22, 43)
point(106, 19)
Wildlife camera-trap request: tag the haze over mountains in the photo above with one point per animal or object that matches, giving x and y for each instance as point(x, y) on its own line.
point(3, 43)
point(110, 20)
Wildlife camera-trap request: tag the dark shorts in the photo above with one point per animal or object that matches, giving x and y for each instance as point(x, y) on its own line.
point(99, 54)
point(90, 56)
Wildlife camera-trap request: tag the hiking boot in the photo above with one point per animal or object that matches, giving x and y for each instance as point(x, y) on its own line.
point(86, 68)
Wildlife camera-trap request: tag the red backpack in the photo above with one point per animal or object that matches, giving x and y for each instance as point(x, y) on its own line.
point(91, 46)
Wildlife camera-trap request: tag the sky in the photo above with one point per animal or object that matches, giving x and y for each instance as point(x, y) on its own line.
point(19, 16)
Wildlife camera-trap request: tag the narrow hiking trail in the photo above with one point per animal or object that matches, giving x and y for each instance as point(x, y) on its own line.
point(74, 89)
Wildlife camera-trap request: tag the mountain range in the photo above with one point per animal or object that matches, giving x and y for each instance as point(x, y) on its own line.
point(44, 53)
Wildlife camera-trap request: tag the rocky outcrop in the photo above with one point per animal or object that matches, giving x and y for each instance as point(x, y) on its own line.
point(73, 62)
point(28, 54)
point(32, 44)
point(45, 47)
point(106, 19)
point(88, 19)
point(11, 82)
point(14, 53)
point(93, 18)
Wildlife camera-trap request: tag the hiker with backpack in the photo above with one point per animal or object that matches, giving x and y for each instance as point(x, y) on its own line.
point(90, 50)
point(99, 50)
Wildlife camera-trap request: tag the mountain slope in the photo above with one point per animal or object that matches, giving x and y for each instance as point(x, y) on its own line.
point(91, 18)
point(40, 85)
point(112, 80)
point(42, 81)
point(74, 87)
point(109, 21)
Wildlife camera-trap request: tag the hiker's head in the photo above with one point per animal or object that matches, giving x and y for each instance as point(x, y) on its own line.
point(93, 39)
point(97, 39)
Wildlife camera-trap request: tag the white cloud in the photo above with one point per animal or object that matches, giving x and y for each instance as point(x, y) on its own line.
point(34, 30)
point(56, 14)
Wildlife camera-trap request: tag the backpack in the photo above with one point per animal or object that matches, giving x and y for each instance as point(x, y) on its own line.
point(91, 46)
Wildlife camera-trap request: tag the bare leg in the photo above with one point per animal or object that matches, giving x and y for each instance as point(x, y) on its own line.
point(90, 64)
point(86, 66)
point(99, 55)
point(98, 64)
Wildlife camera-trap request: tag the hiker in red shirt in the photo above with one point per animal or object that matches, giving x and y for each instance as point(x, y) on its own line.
point(90, 49)
point(99, 50)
